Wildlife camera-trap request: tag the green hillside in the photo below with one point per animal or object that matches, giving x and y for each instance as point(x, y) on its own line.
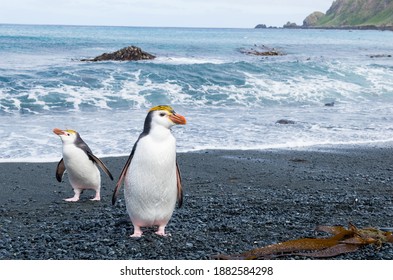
point(345, 13)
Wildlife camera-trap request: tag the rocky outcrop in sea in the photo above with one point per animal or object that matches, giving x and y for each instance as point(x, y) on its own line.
point(125, 54)
point(261, 50)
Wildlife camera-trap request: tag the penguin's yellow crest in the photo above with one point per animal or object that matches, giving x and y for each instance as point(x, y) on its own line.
point(70, 131)
point(162, 107)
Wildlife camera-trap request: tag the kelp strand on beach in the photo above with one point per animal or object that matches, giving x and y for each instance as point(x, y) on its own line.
point(343, 240)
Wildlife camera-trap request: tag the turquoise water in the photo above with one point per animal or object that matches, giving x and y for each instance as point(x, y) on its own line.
point(231, 100)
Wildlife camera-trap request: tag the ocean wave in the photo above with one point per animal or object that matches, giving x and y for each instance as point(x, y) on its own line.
point(116, 86)
point(257, 92)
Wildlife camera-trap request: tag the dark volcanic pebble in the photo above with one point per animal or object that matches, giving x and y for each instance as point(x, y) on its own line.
point(234, 201)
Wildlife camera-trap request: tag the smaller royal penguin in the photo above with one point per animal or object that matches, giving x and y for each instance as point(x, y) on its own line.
point(81, 165)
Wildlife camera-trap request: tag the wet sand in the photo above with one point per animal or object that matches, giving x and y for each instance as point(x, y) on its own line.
point(234, 201)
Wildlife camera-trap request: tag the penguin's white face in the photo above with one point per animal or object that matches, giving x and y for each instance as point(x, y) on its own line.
point(66, 136)
point(167, 119)
point(165, 116)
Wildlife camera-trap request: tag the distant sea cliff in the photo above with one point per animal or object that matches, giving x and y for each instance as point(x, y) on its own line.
point(351, 14)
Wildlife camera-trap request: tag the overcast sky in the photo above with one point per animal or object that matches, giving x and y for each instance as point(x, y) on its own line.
point(160, 13)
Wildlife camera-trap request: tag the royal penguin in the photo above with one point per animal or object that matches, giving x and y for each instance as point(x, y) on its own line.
point(151, 176)
point(80, 164)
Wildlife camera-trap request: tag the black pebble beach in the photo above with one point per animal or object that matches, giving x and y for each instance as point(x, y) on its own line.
point(234, 201)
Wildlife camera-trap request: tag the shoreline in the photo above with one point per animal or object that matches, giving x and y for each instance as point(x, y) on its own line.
point(235, 200)
point(311, 147)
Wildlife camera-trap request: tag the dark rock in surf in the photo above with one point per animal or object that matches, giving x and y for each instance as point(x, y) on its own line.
point(261, 50)
point(285, 121)
point(380, 55)
point(125, 54)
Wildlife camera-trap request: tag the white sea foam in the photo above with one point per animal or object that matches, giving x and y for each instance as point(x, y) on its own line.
point(113, 133)
point(189, 60)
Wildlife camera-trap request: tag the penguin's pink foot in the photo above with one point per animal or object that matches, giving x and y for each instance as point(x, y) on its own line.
point(137, 232)
point(97, 197)
point(72, 199)
point(161, 231)
point(77, 193)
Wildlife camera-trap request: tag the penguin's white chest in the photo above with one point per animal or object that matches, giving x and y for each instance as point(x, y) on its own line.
point(82, 172)
point(150, 184)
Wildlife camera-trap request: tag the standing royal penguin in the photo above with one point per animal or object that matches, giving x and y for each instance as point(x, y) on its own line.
point(80, 163)
point(152, 182)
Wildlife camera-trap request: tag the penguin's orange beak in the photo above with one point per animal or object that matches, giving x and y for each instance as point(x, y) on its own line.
point(177, 119)
point(58, 131)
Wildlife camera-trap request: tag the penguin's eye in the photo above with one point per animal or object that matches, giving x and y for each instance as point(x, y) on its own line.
point(162, 114)
point(68, 134)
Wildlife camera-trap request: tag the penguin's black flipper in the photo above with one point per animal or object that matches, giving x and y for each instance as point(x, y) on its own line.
point(121, 178)
point(60, 170)
point(100, 164)
point(179, 187)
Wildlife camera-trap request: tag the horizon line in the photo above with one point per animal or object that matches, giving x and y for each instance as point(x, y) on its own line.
point(134, 26)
